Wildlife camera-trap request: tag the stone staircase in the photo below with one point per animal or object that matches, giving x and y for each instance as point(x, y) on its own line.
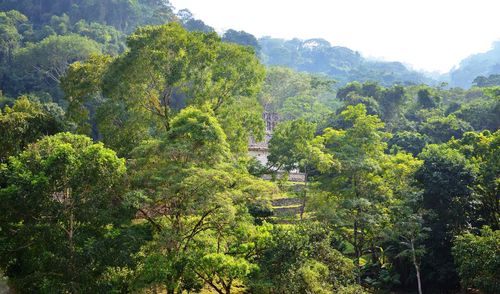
point(286, 209)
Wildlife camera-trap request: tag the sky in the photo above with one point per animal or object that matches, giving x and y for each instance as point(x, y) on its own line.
point(429, 35)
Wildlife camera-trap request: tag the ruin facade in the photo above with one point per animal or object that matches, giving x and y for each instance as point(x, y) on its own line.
point(260, 150)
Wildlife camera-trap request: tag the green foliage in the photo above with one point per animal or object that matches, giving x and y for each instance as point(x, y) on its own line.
point(491, 80)
point(442, 129)
point(145, 87)
point(199, 136)
point(313, 275)
point(411, 142)
point(446, 178)
point(355, 192)
point(482, 150)
point(223, 268)
point(40, 66)
point(26, 122)
point(292, 146)
point(478, 260)
point(481, 114)
point(300, 259)
point(388, 103)
point(61, 214)
point(12, 26)
point(306, 107)
point(190, 213)
point(426, 98)
point(81, 86)
point(191, 24)
point(340, 63)
point(124, 15)
point(197, 201)
point(242, 38)
point(112, 40)
point(291, 93)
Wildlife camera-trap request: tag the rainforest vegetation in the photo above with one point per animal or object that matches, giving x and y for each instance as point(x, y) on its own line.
point(124, 164)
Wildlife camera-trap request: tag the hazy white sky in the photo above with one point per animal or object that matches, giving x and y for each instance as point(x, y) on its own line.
point(432, 35)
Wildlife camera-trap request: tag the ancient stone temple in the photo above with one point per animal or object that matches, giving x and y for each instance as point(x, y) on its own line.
point(260, 150)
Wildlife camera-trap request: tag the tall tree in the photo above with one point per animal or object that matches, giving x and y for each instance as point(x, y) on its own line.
point(60, 202)
point(197, 202)
point(447, 179)
point(356, 188)
point(41, 66)
point(483, 151)
point(168, 68)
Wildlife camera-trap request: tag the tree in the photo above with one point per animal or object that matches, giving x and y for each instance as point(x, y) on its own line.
point(447, 179)
point(356, 190)
point(385, 102)
point(442, 129)
point(481, 114)
point(11, 25)
point(191, 24)
point(196, 201)
point(411, 233)
point(292, 146)
point(61, 207)
point(412, 142)
point(482, 150)
point(166, 69)
point(478, 260)
point(112, 40)
point(242, 38)
point(491, 80)
point(26, 122)
point(41, 66)
point(307, 107)
point(124, 15)
point(300, 259)
point(222, 269)
point(426, 98)
point(280, 84)
point(82, 89)
point(391, 104)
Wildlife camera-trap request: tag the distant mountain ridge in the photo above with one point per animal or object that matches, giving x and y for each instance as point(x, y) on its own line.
point(108, 22)
point(318, 56)
point(480, 64)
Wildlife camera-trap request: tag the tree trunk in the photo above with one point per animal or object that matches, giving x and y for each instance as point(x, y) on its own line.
point(228, 289)
point(357, 252)
point(71, 233)
point(358, 246)
point(417, 268)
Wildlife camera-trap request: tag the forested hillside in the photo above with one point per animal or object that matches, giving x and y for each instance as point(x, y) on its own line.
point(481, 64)
point(124, 163)
point(343, 64)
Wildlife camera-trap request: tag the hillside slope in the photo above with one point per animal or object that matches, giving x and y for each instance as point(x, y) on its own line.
point(481, 64)
point(343, 64)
